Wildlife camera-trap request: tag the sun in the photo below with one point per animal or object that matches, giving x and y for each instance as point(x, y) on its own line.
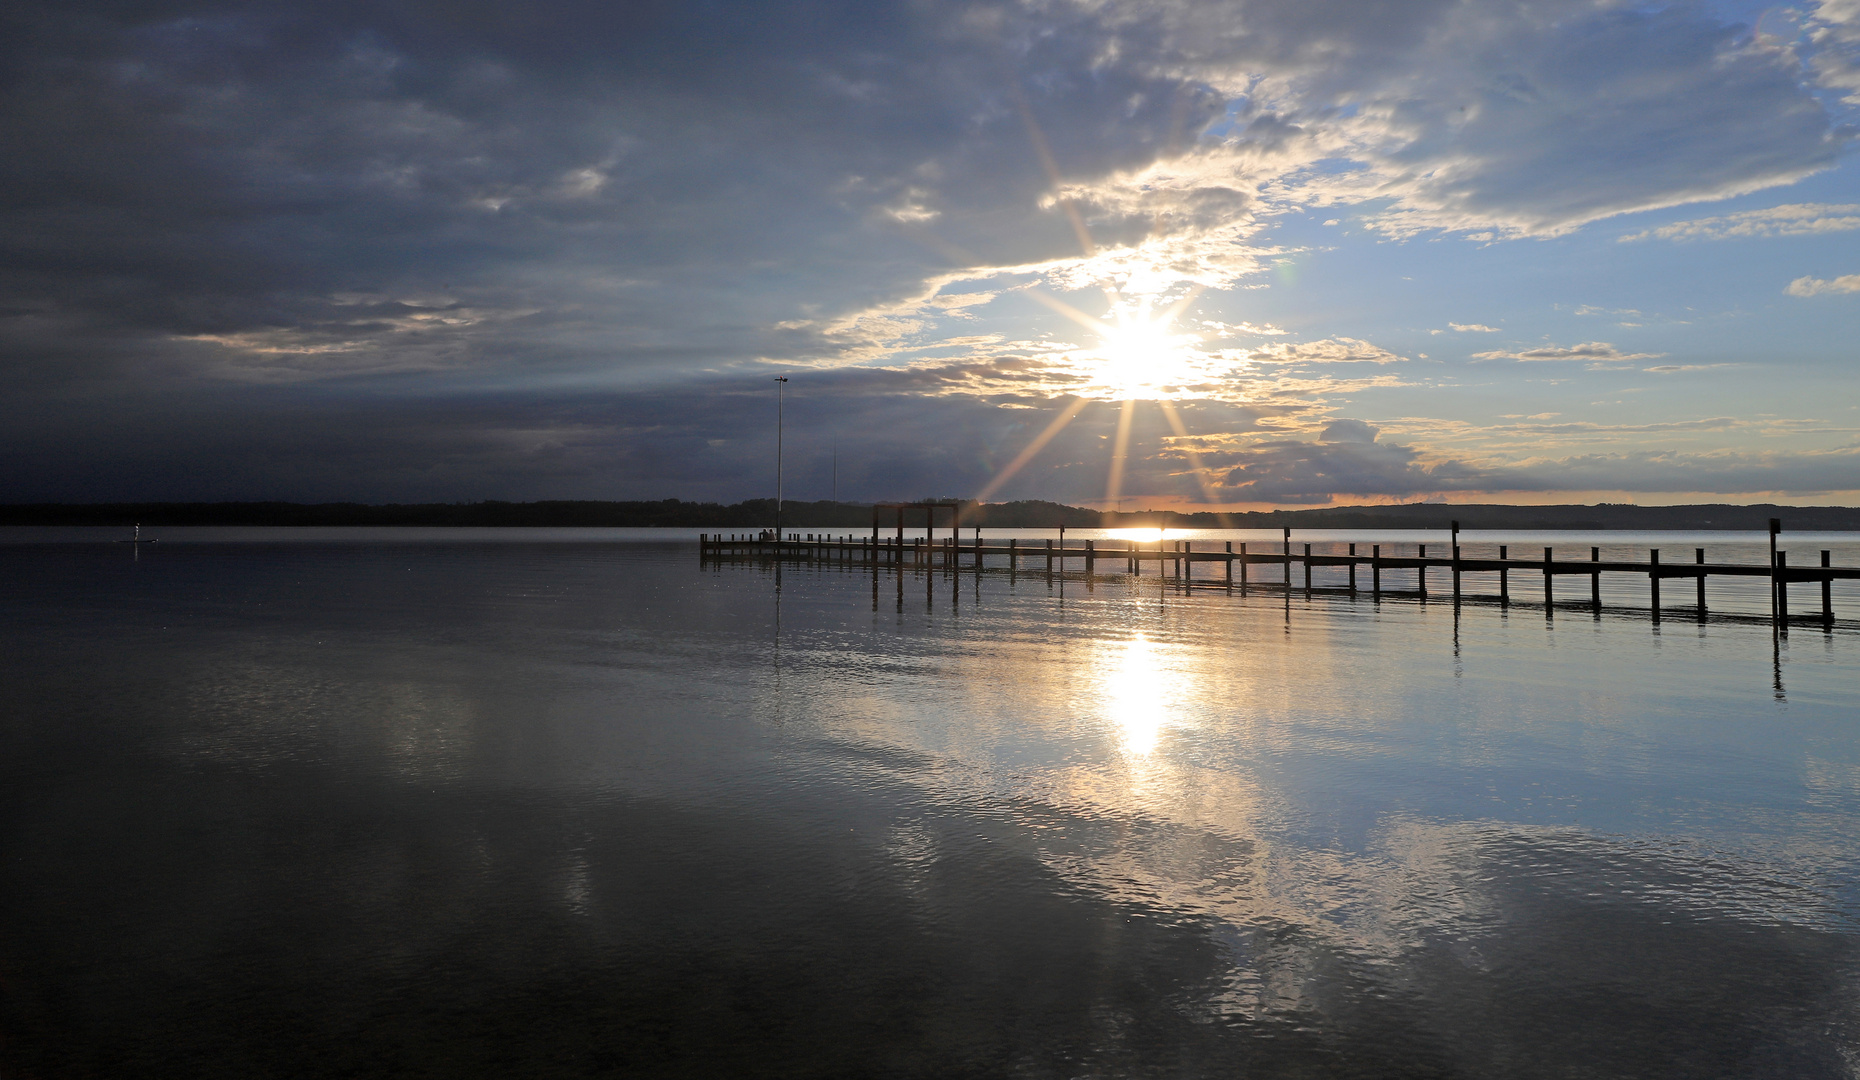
point(1141, 358)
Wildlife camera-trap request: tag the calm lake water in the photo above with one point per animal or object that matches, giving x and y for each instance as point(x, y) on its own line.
point(520, 803)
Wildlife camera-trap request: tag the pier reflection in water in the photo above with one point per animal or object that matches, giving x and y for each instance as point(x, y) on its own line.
point(524, 808)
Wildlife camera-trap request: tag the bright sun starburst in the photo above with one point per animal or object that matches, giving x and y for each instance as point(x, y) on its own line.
point(1140, 357)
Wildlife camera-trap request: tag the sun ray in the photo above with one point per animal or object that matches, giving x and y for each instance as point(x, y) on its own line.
point(1194, 459)
point(1114, 485)
point(1070, 312)
point(1033, 448)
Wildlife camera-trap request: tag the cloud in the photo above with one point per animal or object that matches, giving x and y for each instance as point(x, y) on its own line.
point(1810, 286)
point(1598, 351)
point(1675, 369)
point(1795, 219)
point(1328, 351)
point(1350, 431)
point(1834, 30)
point(1294, 472)
point(1473, 328)
point(340, 217)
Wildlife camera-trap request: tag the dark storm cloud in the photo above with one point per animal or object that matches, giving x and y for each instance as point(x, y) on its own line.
point(656, 174)
point(1347, 461)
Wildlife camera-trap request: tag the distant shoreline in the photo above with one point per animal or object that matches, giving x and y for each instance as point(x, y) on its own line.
point(760, 513)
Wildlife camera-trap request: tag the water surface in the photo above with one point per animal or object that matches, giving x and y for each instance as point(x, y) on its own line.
point(422, 805)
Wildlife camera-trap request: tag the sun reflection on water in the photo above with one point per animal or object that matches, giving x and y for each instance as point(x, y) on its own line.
point(1136, 696)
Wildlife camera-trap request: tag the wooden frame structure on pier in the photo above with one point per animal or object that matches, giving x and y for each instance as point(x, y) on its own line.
point(929, 508)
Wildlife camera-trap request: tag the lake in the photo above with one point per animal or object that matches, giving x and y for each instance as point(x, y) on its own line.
point(407, 802)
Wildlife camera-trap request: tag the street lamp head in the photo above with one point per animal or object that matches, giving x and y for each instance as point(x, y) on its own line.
point(781, 378)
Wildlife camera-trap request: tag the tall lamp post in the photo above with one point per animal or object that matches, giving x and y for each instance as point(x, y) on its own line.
point(780, 385)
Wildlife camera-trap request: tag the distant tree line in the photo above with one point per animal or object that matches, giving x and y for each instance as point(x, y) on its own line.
point(760, 514)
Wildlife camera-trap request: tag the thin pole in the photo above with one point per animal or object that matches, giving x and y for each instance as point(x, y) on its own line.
point(1549, 593)
point(781, 383)
point(1700, 559)
point(1595, 581)
point(1504, 577)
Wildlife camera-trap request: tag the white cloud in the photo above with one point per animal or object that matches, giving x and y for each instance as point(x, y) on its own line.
point(1834, 29)
point(1473, 328)
point(1535, 119)
point(1809, 286)
point(1327, 351)
point(1794, 219)
point(1599, 351)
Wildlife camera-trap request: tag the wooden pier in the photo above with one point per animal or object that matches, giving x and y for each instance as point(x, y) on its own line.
point(1236, 567)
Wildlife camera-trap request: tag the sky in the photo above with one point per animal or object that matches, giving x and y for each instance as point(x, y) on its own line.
point(1123, 254)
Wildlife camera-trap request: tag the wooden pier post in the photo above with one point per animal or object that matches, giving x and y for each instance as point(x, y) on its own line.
point(1352, 569)
point(1375, 573)
point(1827, 591)
point(1243, 573)
point(1595, 581)
point(1230, 564)
point(1775, 604)
point(1089, 555)
point(1049, 556)
point(1307, 570)
point(1549, 590)
point(1420, 573)
point(1456, 562)
point(1653, 577)
point(1699, 557)
point(1013, 553)
point(1286, 546)
point(1185, 565)
point(1504, 577)
point(978, 547)
point(1781, 574)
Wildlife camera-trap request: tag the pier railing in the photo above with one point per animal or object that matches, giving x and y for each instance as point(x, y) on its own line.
point(1239, 567)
